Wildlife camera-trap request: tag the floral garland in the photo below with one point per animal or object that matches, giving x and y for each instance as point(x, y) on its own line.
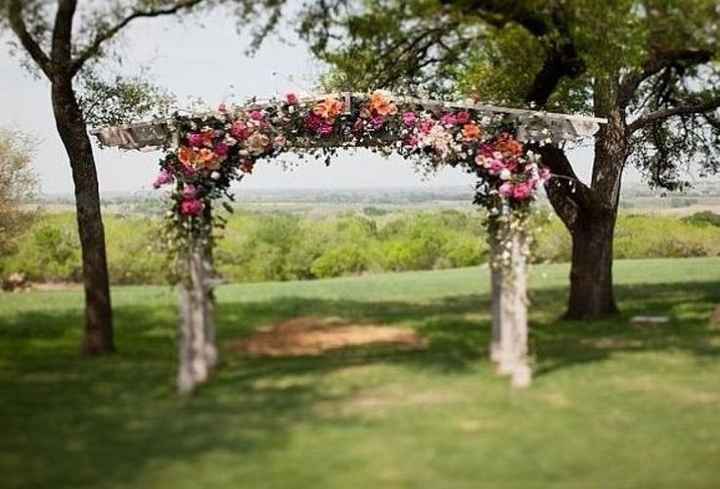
point(216, 149)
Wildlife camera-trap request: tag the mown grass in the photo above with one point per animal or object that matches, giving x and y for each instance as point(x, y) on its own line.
point(613, 405)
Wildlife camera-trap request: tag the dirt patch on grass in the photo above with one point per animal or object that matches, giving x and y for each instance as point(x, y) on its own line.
point(315, 336)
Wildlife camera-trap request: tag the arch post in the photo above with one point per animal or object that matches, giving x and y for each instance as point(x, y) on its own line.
point(198, 353)
point(509, 248)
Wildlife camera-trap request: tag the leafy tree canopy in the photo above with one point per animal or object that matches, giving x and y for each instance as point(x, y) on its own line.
point(654, 61)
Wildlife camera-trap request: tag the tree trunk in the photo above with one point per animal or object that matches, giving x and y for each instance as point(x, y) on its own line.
point(590, 213)
point(591, 284)
point(73, 132)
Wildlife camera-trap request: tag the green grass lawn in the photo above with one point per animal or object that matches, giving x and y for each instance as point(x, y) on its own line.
point(612, 406)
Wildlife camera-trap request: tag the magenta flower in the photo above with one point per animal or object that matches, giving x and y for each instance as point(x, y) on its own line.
point(325, 129)
point(222, 149)
point(256, 115)
point(486, 150)
point(191, 207)
point(163, 178)
point(377, 121)
point(409, 119)
point(462, 117)
point(449, 120)
point(195, 139)
point(314, 122)
point(292, 99)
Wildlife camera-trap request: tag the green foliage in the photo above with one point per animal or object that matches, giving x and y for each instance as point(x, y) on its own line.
point(638, 236)
point(18, 185)
point(48, 252)
point(280, 247)
point(120, 100)
point(703, 218)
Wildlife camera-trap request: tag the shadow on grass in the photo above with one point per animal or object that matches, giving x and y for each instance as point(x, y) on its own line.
point(73, 422)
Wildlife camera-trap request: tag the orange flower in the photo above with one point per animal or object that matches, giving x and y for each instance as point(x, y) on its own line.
point(509, 146)
point(208, 159)
point(187, 156)
point(382, 105)
point(471, 131)
point(329, 108)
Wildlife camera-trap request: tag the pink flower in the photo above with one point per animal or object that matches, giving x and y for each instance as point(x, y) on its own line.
point(189, 192)
point(448, 120)
point(522, 191)
point(506, 189)
point(191, 207)
point(426, 126)
point(291, 99)
point(462, 117)
point(494, 167)
point(163, 178)
point(256, 115)
point(409, 119)
point(239, 130)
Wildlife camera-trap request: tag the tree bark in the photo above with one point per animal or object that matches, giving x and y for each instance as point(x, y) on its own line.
point(591, 284)
point(590, 212)
point(73, 132)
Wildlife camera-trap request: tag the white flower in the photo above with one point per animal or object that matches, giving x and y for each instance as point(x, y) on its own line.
point(439, 139)
point(215, 175)
point(505, 174)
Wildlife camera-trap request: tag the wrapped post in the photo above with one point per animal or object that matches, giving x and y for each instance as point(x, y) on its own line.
point(509, 343)
point(197, 349)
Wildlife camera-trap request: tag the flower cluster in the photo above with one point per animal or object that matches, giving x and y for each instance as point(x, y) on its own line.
point(216, 149)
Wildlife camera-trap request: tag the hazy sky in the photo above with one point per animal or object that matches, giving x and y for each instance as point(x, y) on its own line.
point(206, 62)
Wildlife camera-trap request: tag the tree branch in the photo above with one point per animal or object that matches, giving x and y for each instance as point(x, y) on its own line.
point(103, 36)
point(655, 64)
point(62, 32)
point(660, 115)
point(17, 24)
point(567, 194)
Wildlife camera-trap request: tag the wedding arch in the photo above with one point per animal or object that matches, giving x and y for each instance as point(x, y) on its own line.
point(206, 152)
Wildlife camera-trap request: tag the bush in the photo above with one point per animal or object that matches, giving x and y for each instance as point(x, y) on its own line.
point(261, 247)
point(705, 218)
